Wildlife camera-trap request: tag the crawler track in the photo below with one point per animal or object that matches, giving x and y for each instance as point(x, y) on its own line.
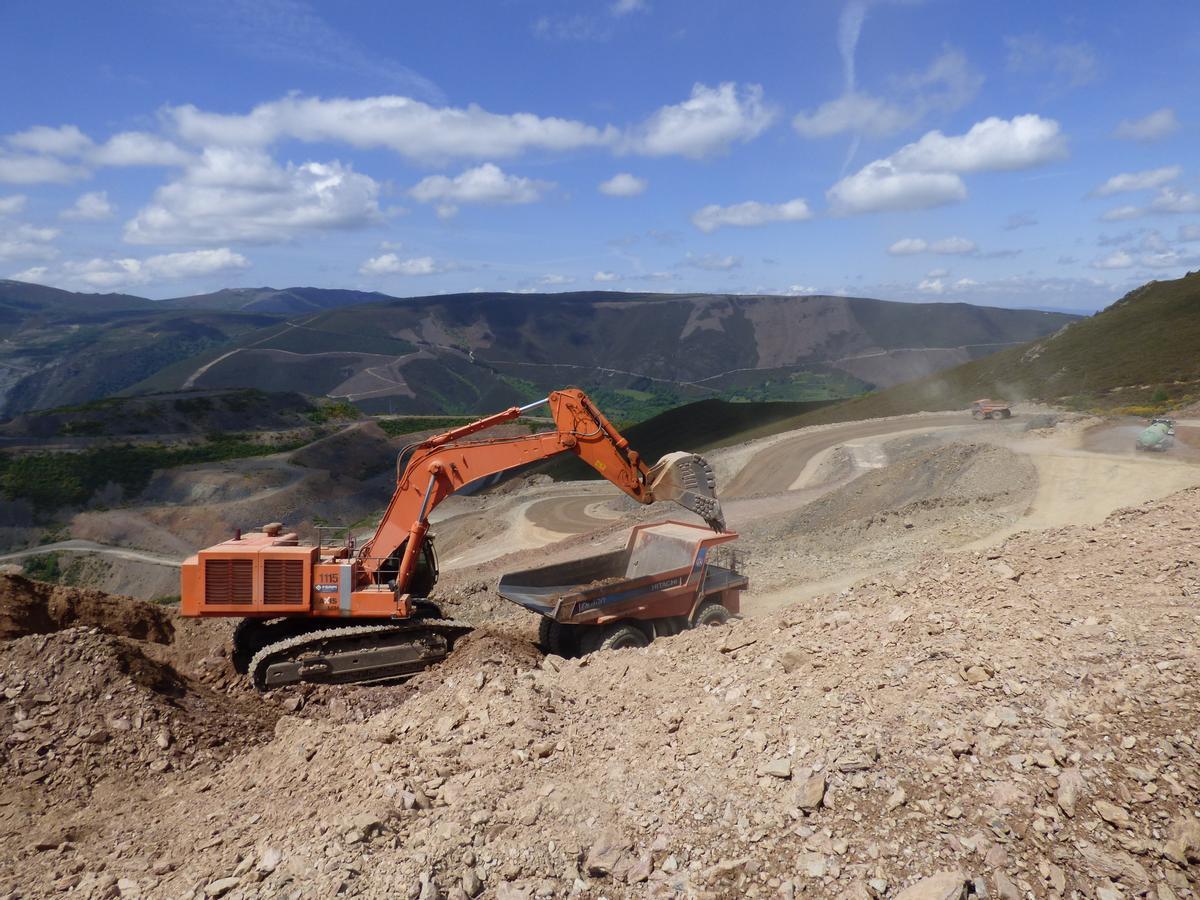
point(356, 653)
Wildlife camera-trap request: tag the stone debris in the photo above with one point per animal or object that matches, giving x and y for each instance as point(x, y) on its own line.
point(934, 734)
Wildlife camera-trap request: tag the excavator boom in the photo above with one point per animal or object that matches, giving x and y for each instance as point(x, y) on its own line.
point(444, 464)
point(290, 594)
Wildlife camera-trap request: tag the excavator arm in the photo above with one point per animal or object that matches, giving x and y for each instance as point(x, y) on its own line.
point(442, 465)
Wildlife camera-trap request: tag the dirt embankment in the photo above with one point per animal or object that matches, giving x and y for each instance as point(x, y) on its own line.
point(925, 499)
point(98, 705)
point(33, 607)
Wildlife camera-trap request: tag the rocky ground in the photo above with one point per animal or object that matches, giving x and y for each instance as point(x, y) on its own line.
point(1019, 722)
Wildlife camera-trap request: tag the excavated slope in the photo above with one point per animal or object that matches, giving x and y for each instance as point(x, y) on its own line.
point(1021, 722)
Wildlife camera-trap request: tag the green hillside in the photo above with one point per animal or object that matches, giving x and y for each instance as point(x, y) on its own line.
point(1144, 349)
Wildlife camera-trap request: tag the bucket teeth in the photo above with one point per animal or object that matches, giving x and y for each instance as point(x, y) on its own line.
point(688, 479)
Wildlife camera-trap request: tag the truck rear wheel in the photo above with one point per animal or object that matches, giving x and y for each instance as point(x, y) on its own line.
point(618, 636)
point(710, 612)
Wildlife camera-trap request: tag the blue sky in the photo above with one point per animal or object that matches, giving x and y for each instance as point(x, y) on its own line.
point(1017, 154)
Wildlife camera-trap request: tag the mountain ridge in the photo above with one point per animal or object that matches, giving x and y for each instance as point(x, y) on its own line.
point(468, 353)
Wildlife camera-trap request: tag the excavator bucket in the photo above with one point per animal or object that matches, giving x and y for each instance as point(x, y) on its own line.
point(688, 480)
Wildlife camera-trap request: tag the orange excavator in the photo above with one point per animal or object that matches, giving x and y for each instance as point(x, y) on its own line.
point(341, 613)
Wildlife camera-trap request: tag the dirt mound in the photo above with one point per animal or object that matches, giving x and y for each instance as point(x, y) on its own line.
point(83, 707)
point(33, 607)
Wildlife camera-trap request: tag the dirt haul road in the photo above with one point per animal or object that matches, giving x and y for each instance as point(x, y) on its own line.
point(1079, 475)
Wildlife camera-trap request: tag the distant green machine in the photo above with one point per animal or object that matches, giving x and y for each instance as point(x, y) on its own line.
point(1158, 437)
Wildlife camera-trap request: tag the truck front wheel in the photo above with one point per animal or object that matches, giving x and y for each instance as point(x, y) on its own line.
point(710, 612)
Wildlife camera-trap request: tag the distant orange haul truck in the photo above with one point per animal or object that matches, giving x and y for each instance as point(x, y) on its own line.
point(990, 409)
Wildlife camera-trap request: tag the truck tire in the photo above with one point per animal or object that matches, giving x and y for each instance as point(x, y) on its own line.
point(710, 612)
point(556, 638)
point(618, 636)
point(1005, 413)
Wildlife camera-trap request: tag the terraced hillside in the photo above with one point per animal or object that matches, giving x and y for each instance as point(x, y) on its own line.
point(60, 348)
point(639, 353)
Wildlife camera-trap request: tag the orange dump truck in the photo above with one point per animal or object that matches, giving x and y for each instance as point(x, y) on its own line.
point(669, 577)
point(990, 409)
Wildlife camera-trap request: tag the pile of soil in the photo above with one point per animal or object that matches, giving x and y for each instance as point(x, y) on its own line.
point(1011, 723)
point(92, 711)
point(33, 607)
point(81, 706)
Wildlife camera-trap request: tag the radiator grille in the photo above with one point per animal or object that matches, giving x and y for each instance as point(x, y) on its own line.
point(283, 581)
point(229, 581)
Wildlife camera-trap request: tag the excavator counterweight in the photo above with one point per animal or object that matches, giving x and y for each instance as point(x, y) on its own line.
point(351, 613)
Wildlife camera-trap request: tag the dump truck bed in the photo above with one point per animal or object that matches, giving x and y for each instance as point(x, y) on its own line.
point(665, 570)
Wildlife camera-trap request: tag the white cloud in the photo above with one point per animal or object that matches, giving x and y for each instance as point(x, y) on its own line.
point(552, 280)
point(89, 207)
point(908, 246)
point(1161, 123)
point(137, 148)
point(951, 246)
point(1069, 65)
point(484, 185)
point(879, 187)
point(12, 204)
point(948, 84)
point(705, 124)
point(750, 214)
point(1137, 181)
point(66, 140)
point(391, 264)
point(244, 195)
point(1118, 259)
point(1168, 199)
point(1122, 213)
point(110, 274)
point(1021, 142)
point(1189, 233)
point(623, 185)
point(1173, 200)
point(193, 263)
point(799, 289)
point(409, 127)
point(606, 277)
point(1169, 259)
point(932, 286)
point(926, 173)
point(857, 112)
point(712, 262)
point(25, 169)
point(27, 242)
